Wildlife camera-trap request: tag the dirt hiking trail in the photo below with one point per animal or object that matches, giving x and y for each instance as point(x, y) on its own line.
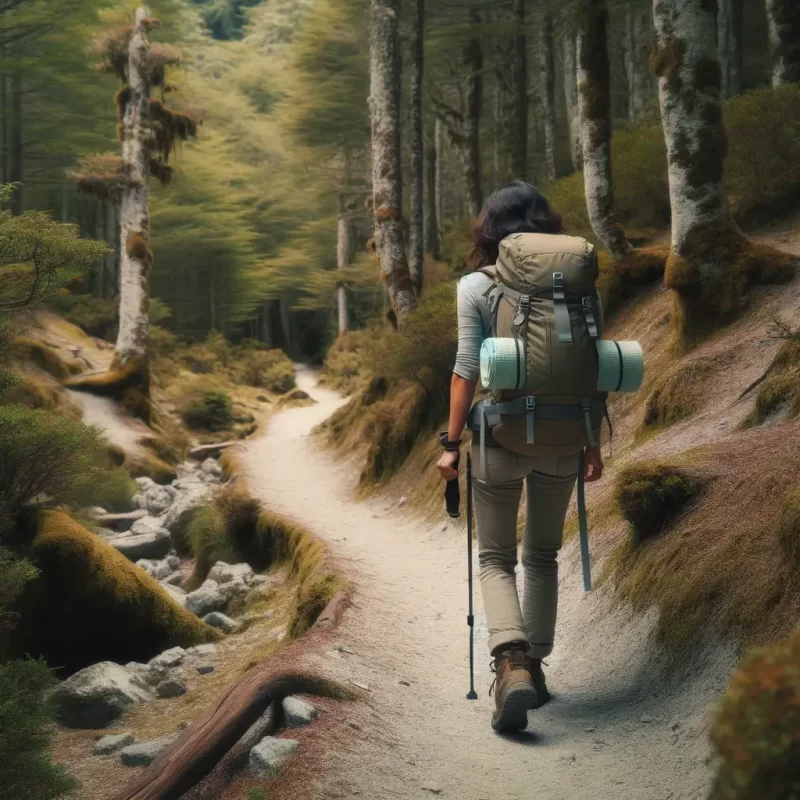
point(617, 729)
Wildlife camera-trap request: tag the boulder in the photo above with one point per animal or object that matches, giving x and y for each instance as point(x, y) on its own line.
point(145, 484)
point(206, 451)
point(204, 669)
point(97, 695)
point(158, 500)
point(148, 524)
point(260, 580)
point(144, 753)
point(147, 565)
point(119, 522)
point(171, 687)
point(216, 619)
point(175, 579)
point(144, 545)
point(174, 562)
point(223, 573)
point(202, 650)
point(211, 467)
point(162, 570)
point(112, 744)
point(169, 658)
point(269, 754)
point(298, 712)
point(179, 514)
point(206, 599)
point(233, 590)
point(140, 500)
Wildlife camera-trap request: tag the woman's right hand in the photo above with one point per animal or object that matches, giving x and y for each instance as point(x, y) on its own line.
point(447, 465)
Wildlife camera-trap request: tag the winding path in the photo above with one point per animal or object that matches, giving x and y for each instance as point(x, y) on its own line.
point(618, 729)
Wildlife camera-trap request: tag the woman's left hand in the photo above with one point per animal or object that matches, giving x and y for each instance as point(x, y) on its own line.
point(593, 467)
point(447, 465)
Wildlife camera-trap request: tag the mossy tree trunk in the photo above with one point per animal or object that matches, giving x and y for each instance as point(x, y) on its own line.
point(473, 66)
point(547, 76)
point(594, 98)
point(415, 147)
point(568, 57)
point(386, 159)
point(519, 72)
point(638, 36)
point(784, 34)
point(136, 257)
point(344, 257)
point(730, 19)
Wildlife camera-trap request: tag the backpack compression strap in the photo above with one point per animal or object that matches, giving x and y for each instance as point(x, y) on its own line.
point(582, 524)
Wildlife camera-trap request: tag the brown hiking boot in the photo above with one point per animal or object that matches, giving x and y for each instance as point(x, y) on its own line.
point(515, 694)
point(537, 676)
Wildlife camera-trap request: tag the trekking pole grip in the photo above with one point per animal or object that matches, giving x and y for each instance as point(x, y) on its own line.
point(452, 494)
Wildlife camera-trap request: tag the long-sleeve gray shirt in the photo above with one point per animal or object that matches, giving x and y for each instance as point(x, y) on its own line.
point(474, 323)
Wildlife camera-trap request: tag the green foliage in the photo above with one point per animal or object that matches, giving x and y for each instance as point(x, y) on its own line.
point(344, 366)
point(45, 457)
point(26, 734)
point(94, 315)
point(756, 733)
point(651, 496)
point(15, 574)
point(206, 540)
point(111, 489)
point(267, 369)
point(212, 413)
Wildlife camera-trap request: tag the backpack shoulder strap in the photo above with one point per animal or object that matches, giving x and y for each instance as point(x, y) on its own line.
point(490, 271)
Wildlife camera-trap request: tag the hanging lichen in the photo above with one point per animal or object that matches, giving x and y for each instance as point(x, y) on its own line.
point(103, 176)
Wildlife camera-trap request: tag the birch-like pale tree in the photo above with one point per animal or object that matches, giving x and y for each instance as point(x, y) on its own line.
point(416, 243)
point(345, 250)
point(638, 37)
point(386, 162)
point(594, 97)
point(730, 21)
point(569, 62)
point(784, 35)
point(547, 91)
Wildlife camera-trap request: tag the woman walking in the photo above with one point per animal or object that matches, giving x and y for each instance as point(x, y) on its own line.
point(517, 230)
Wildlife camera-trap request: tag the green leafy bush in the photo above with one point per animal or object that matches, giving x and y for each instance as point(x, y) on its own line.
point(94, 315)
point(112, 489)
point(266, 369)
point(756, 733)
point(652, 495)
point(15, 573)
point(25, 734)
point(46, 456)
point(212, 413)
point(344, 362)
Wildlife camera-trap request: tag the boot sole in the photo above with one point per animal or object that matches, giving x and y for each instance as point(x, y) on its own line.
point(513, 716)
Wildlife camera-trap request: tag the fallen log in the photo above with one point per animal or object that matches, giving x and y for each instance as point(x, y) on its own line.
point(201, 747)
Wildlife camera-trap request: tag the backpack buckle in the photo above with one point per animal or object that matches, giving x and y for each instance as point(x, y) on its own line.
point(530, 413)
point(523, 310)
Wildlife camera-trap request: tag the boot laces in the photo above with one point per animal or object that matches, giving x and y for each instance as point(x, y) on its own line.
point(516, 660)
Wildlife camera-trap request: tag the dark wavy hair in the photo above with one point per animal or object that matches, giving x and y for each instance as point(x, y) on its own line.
point(515, 207)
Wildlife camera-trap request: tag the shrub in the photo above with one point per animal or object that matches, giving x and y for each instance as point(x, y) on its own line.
point(344, 362)
point(83, 578)
point(652, 495)
point(781, 388)
point(112, 489)
point(756, 733)
point(26, 734)
point(161, 342)
point(97, 317)
point(206, 538)
point(15, 574)
point(266, 369)
point(45, 457)
point(213, 413)
point(44, 357)
point(31, 393)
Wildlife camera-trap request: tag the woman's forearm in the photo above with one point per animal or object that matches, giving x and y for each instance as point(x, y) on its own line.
point(462, 393)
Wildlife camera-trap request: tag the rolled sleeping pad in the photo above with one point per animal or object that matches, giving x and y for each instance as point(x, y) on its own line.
point(503, 364)
point(620, 366)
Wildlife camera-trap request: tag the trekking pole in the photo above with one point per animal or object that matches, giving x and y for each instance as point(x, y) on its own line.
point(472, 694)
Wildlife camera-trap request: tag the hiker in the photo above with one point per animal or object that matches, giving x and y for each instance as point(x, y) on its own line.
point(527, 440)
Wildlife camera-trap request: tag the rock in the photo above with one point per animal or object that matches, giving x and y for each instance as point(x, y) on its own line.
point(224, 573)
point(119, 522)
point(162, 570)
point(174, 562)
point(144, 545)
point(269, 754)
point(206, 451)
point(403, 501)
point(216, 619)
point(169, 658)
point(148, 524)
point(147, 565)
point(206, 599)
point(178, 595)
point(589, 730)
point(97, 695)
point(260, 580)
point(405, 683)
point(211, 467)
point(433, 789)
point(158, 500)
point(645, 718)
point(205, 669)
point(298, 712)
point(202, 650)
point(144, 753)
point(107, 533)
point(175, 580)
point(145, 483)
point(359, 685)
point(112, 744)
point(171, 687)
point(233, 589)
point(180, 512)
point(140, 501)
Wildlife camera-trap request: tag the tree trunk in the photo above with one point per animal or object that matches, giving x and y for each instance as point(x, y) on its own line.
point(571, 98)
point(547, 72)
point(519, 120)
point(344, 257)
point(98, 285)
point(415, 145)
point(439, 140)
point(497, 139)
point(730, 17)
point(594, 98)
point(136, 256)
point(266, 323)
point(110, 258)
point(431, 222)
point(784, 35)
point(637, 61)
point(15, 169)
point(386, 160)
point(473, 64)
point(4, 112)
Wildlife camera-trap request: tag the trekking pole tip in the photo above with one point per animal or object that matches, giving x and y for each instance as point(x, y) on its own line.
point(472, 695)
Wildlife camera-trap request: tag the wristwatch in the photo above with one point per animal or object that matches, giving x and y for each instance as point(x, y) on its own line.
point(452, 447)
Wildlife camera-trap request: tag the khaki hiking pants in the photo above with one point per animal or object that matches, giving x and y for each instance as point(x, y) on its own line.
point(549, 483)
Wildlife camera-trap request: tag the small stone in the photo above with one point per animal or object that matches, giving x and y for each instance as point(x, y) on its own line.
point(355, 726)
point(269, 754)
point(360, 685)
point(589, 730)
point(205, 669)
point(143, 754)
point(112, 744)
point(405, 683)
point(175, 580)
point(298, 712)
point(174, 562)
point(403, 501)
point(184, 725)
point(206, 599)
point(170, 688)
point(202, 650)
point(675, 725)
point(169, 658)
point(432, 789)
point(223, 573)
point(216, 619)
point(346, 650)
point(211, 467)
point(645, 718)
